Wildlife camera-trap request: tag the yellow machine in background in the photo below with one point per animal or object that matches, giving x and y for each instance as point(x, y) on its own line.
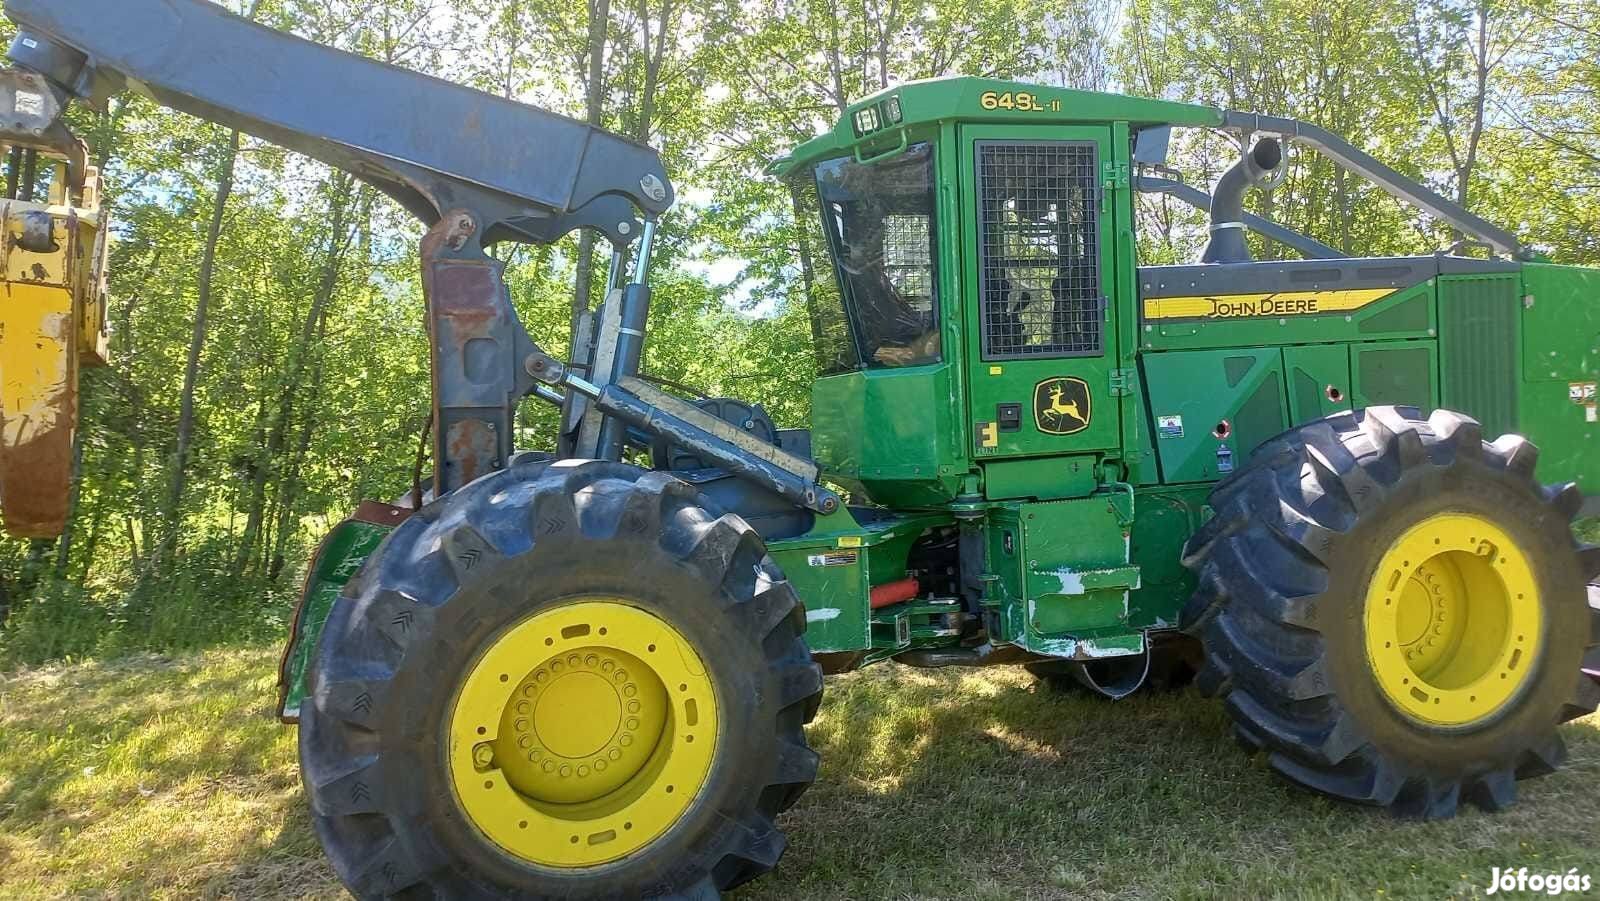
point(52, 322)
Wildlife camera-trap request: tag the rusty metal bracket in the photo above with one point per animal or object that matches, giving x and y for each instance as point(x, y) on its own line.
point(30, 117)
point(478, 348)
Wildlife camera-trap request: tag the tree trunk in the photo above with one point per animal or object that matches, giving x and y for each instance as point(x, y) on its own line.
point(173, 513)
point(291, 485)
point(33, 567)
point(258, 490)
point(86, 568)
point(655, 52)
point(1481, 68)
point(64, 544)
point(339, 238)
point(594, 97)
point(808, 266)
point(1343, 208)
point(138, 476)
point(133, 540)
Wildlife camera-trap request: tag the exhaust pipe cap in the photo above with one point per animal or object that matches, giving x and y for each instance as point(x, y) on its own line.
point(1254, 169)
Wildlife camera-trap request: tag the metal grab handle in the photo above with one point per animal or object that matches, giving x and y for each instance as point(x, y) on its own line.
point(896, 150)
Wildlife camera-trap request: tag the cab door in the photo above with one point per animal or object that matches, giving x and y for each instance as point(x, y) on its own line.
point(1036, 277)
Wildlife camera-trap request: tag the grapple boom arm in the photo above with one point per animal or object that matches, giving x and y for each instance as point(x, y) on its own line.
point(432, 145)
point(477, 169)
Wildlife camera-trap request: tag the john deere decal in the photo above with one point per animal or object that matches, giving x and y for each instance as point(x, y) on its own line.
point(1061, 405)
point(1248, 306)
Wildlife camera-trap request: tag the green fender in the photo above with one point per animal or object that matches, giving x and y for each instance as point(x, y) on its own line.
point(341, 555)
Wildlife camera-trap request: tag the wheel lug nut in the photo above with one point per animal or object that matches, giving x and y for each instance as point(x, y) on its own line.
point(483, 756)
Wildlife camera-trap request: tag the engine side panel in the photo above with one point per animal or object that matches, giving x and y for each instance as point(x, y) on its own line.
point(1556, 403)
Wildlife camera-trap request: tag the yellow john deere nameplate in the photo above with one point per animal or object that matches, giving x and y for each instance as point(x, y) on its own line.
point(1061, 405)
point(1272, 304)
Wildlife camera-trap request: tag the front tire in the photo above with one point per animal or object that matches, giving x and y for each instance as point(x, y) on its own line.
point(564, 680)
point(1395, 611)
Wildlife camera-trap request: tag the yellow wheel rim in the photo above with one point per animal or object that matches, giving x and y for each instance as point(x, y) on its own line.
point(582, 734)
point(1453, 620)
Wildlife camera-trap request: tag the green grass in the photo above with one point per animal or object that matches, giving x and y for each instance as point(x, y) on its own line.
point(167, 777)
point(1588, 530)
point(195, 602)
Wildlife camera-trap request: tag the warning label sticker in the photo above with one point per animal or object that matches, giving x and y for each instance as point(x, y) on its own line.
point(836, 558)
point(1581, 392)
point(29, 104)
point(1169, 426)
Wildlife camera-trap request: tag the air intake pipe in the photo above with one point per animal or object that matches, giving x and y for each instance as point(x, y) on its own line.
point(1227, 244)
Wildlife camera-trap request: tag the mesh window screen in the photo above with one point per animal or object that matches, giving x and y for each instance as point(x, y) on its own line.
point(1039, 249)
point(908, 258)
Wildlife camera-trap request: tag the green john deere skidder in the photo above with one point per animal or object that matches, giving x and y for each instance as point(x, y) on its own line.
point(586, 671)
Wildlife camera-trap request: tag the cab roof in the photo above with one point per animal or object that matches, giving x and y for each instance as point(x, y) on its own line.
point(988, 100)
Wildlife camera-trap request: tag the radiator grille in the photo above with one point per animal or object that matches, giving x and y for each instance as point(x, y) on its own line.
point(1478, 348)
point(1039, 249)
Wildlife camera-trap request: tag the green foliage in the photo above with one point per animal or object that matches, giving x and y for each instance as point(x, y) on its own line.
point(312, 384)
point(1490, 102)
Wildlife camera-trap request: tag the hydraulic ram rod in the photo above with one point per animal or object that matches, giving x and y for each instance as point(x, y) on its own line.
point(656, 413)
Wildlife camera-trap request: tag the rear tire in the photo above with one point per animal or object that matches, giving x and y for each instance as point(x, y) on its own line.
point(1299, 579)
point(406, 645)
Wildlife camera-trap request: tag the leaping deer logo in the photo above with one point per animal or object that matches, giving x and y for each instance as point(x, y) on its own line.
point(1061, 405)
point(1057, 409)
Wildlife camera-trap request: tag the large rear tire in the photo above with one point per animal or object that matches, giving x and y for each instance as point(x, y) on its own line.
point(565, 680)
point(1395, 611)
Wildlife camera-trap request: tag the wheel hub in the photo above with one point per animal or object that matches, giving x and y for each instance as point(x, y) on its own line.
point(1453, 620)
point(580, 725)
point(1425, 618)
point(593, 752)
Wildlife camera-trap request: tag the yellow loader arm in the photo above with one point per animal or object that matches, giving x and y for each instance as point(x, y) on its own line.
point(52, 322)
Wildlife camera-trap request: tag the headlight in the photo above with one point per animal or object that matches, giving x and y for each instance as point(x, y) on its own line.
point(866, 120)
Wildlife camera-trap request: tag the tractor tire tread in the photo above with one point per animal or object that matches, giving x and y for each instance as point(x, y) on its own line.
point(380, 842)
point(1260, 606)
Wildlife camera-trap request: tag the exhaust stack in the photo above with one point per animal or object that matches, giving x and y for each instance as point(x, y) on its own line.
point(1227, 244)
